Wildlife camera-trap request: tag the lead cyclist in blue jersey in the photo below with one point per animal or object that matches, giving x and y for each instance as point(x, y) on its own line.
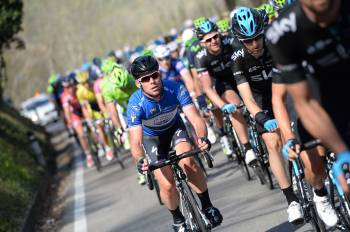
point(155, 124)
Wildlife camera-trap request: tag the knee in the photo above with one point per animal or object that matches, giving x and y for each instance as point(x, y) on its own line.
point(274, 144)
point(190, 165)
point(167, 187)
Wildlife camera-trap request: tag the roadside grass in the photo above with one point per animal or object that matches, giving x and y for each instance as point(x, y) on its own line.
point(20, 176)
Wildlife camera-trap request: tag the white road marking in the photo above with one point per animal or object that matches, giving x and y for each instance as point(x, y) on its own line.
point(79, 195)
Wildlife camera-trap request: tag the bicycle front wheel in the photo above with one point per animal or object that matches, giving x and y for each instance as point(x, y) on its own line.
point(190, 209)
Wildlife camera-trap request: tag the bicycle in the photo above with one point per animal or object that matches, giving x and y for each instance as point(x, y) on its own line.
point(91, 136)
point(261, 167)
point(304, 191)
point(114, 140)
point(235, 144)
point(195, 218)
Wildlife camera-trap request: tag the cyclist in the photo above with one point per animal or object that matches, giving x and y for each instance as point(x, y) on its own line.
point(318, 33)
point(90, 108)
point(223, 27)
point(117, 87)
point(252, 69)
point(173, 69)
point(154, 124)
point(213, 61)
point(268, 10)
point(313, 160)
point(74, 115)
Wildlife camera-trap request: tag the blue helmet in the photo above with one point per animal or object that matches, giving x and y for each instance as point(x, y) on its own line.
point(247, 23)
point(85, 67)
point(204, 28)
point(97, 61)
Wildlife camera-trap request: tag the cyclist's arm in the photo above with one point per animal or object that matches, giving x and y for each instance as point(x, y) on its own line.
point(101, 103)
point(209, 91)
point(67, 115)
point(86, 111)
point(248, 98)
point(314, 117)
point(187, 79)
point(135, 137)
point(113, 112)
point(196, 121)
point(279, 93)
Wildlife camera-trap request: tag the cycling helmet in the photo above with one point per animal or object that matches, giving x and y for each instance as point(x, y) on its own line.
point(280, 4)
point(267, 12)
point(82, 77)
point(85, 67)
point(204, 28)
point(97, 61)
point(119, 76)
point(172, 46)
point(69, 80)
point(187, 34)
point(143, 66)
point(223, 25)
point(198, 21)
point(147, 52)
point(247, 23)
point(161, 51)
point(107, 65)
point(52, 78)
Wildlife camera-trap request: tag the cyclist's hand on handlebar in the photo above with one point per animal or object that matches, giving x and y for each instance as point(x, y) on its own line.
point(291, 149)
point(204, 144)
point(271, 125)
point(142, 165)
point(341, 169)
point(229, 108)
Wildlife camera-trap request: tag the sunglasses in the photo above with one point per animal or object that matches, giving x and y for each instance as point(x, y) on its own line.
point(154, 76)
point(249, 41)
point(215, 37)
point(164, 58)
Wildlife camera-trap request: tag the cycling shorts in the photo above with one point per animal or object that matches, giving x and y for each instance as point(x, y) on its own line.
point(158, 147)
point(223, 85)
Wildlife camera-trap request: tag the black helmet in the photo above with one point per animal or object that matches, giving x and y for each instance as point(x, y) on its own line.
point(247, 23)
point(143, 66)
point(204, 28)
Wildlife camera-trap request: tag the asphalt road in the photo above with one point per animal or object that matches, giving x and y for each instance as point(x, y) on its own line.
point(112, 200)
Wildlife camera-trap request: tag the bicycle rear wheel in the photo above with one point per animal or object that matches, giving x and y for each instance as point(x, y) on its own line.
point(191, 211)
point(114, 146)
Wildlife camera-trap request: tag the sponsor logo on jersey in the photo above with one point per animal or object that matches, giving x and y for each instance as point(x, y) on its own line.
point(319, 45)
point(227, 41)
point(153, 110)
point(238, 53)
point(280, 27)
point(160, 120)
point(168, 90)
point(196, 48)
point(201, 53)
point(214, 62)
point(133, 117)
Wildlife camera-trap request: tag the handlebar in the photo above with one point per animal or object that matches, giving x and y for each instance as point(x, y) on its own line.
point(240, 106)
point(173, 158)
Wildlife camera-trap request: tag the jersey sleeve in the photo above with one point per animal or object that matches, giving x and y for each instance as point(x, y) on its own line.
point(107, 91)
point(285, 55)
point(200, 63)
point(238, 67)
point(182, 95)
point(80, 95)
point(134, 112)
point(179, 65)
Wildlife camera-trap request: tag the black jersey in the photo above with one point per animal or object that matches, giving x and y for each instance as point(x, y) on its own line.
point(218, 66)
point(257, 72)
point(293, 37)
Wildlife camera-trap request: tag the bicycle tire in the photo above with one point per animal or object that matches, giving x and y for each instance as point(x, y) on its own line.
point(94, 151)
point(201, 165)
point(193, 214)
point(114, 146)
point(316, 221)
point(208, 159)
point(243, 166)
point(263, 157)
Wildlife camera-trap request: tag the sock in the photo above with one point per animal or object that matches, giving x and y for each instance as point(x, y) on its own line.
point(205, 199)
point(321, 192)
point(178, 218)
point(289, 194)
point(221, 132)
point(247, 146)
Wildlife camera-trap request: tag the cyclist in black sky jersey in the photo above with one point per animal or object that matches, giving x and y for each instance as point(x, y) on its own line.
point(318, 32)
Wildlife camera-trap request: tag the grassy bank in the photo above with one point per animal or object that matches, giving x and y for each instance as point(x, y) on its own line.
point(20, 176)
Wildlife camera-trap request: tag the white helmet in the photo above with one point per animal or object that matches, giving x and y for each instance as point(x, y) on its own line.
point(187, 34)
point(172, 46)
point(161, 51)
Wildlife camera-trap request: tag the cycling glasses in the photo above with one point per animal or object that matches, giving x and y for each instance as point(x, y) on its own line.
point(249, 41)
point(209, 40)
point(147, 78)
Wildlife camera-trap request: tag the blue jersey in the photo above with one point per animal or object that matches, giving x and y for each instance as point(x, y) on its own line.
point(156, 117)
point(173, 73)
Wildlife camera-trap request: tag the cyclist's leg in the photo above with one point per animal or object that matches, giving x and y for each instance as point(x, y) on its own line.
point(78, 127)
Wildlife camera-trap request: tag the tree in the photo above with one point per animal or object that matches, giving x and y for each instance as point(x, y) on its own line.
point(11, 12)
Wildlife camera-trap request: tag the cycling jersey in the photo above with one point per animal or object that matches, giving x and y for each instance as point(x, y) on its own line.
point(85, 94)
point(174, 71)
point(111, 93)
point(293, 37)
point(218, 66)
point(257, 72)
point(191, 52)
point(71, 102)
point(156, 117)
